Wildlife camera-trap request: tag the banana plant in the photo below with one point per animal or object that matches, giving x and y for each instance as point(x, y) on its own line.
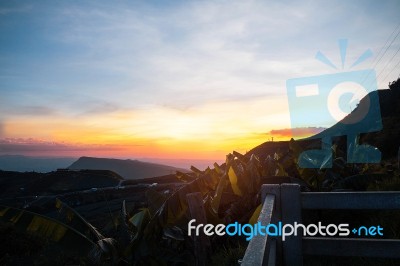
point(60, 236)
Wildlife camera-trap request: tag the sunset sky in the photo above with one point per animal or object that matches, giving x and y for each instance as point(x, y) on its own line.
point(171, 79)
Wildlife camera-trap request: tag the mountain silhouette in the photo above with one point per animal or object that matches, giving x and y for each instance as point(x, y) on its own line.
point(128, 169)
point(22, 163)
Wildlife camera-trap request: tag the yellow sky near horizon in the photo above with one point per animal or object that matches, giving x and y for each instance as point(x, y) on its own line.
point(209, 131)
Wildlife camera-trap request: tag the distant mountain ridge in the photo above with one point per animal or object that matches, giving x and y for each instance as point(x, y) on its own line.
point(128, 169)
point(22, 163)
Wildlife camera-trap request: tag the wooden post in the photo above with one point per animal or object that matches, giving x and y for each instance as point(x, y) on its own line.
point(272, 253)
point(275, 190)
point(291, 212)
point(201, 242)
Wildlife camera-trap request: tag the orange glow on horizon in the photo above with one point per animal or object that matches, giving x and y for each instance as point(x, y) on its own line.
point(205, 132)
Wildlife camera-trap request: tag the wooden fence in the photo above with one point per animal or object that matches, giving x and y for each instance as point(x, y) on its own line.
point(285, 202)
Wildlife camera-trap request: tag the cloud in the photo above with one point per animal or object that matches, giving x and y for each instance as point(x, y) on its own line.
point(201, 51)
point(91, 106)
point(28, 146)
point(190, 55)
point(296, 132)
point(186, 54)
point(32, 110)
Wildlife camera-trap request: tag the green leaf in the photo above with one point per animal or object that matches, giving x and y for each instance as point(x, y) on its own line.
point(155, 201)
point(139, 221)
point(65, 237)
point(71, 217)
point(233, 178)
point(216, 200)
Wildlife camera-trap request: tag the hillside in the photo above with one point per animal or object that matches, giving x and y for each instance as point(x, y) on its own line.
point(129, 169)
point(32, 183)
point(385, 139)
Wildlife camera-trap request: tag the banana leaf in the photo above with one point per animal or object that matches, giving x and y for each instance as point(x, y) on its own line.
point(195, 170)
point(216, 201)
point(233, 178)
point(139, 221)
point(218, 169)
point(66, 238)
point(155, 200)
point(72, 218)
point(184, 177)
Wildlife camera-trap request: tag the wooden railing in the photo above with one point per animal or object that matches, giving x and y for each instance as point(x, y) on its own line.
point(262, 248)
point(285, 202)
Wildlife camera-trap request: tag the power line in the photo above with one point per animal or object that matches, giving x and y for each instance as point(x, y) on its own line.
point(397, 27)
point(387, 48)
point(388, 63)
point(398, 64)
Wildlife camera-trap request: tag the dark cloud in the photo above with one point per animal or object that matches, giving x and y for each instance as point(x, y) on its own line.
point(100, 108)
point(33, 110)
point(296, 132)
point(31, 146)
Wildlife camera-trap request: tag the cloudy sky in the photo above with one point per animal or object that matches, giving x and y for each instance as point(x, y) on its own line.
point(172, 79)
